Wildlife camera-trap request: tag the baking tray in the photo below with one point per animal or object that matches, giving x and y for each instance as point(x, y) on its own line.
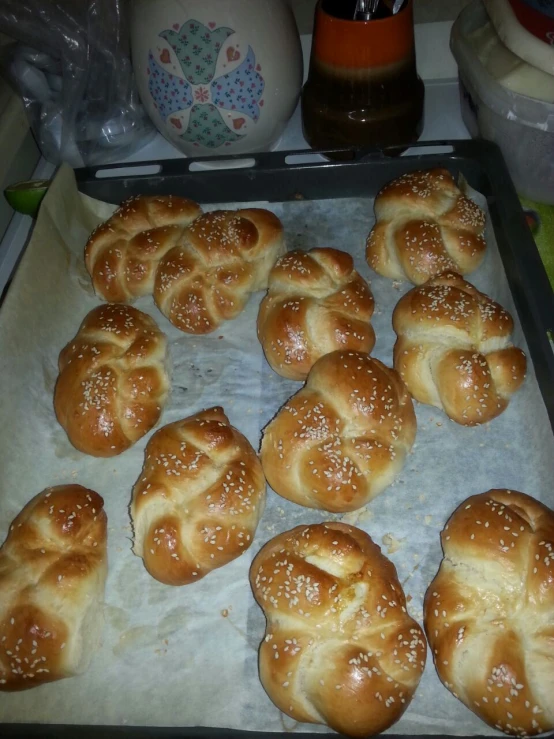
point(278, 177)
point(283, 176)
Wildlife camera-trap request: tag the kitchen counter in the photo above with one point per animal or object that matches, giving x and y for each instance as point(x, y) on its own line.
point(442, 121)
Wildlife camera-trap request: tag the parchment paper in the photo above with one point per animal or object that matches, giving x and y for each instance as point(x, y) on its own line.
point(188, 656)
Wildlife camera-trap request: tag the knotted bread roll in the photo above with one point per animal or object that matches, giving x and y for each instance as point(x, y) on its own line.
point(198, 499)
point(343, 438)
point(340, 648)
point(123, 253)
point(316, 304)
point(425, 225)
point(454, 350)
point(113, 381)
point(223, 258)
point(489, 612)
point(53, 568)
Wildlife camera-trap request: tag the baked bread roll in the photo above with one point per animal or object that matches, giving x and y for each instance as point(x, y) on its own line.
point(123, 253)
point(343, 438)
point(198, 499)
point(425, 225)
point(224, 257)
point(53, 568)
point(489, 612)
point(113, 381)
point(454, 350)
point(340, 648)
point(317, 303)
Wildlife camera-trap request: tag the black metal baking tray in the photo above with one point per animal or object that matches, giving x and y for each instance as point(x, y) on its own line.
point(284, 176)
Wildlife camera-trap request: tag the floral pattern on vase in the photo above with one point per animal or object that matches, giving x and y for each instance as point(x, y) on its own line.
point(206, 128)
point(169, 92)
point(240, 90)
point(197, 49)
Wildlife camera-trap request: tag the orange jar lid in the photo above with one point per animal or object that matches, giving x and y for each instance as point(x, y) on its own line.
point(363, 44)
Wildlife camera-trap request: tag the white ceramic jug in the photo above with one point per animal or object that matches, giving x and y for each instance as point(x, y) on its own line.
point(217, 76)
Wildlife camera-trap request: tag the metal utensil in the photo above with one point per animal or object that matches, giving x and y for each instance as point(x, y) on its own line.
point(397, 7)
point(361, 13)
point(365, 10)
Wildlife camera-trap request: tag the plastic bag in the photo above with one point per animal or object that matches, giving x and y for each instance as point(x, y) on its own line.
point(70, 64)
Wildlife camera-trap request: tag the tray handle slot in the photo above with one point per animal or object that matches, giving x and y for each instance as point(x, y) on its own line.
point(142, 169)
point(217, 164)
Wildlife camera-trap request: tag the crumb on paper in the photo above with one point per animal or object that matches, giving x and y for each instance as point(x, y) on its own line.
point(409, 599)
point(354, 517)
point(428, 520)
point(396, 284)
point(439, 423)
point(225, 613)
point(422, 497)
point(392, 543)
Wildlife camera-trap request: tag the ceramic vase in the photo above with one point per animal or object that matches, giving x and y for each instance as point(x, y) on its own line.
point(217, 76)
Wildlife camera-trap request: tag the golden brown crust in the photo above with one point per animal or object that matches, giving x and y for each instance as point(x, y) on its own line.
point(123, 253)
point(113, 382)
point(454, 350)
point(340, 648)
point(223, 258)
point(52, 577)
point(425, 225)
point(198, 499)
point(489, 612)
point(316, 304)
point(343, 438)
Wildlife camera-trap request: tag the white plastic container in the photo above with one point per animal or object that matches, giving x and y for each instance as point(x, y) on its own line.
point(521, 126)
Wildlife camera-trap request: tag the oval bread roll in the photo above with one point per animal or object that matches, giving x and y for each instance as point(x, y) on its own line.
point(316, 304)
point(113, 381)
point(123, 253)
point(223, 258)
point(53, 568)
point(425, 225)
point(198, 500)
point(340, 647)
point(454, 350)
point(489, 612)
point(343, 438)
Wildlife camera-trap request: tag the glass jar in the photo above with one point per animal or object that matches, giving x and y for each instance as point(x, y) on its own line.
point(363, 89)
